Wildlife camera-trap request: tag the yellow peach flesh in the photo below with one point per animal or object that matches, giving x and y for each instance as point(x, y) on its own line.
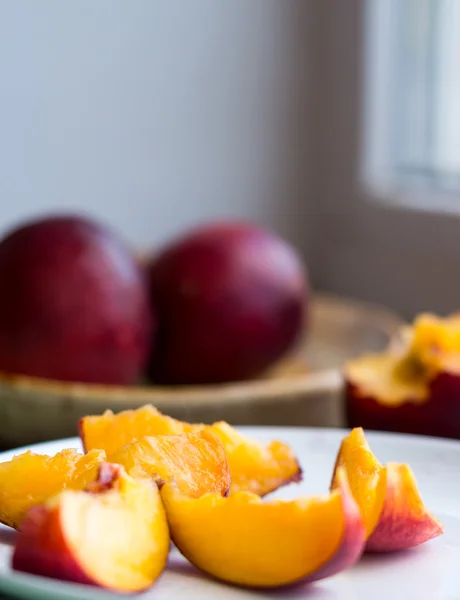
point(434, 340)
point(247, 542)
point(30, 479)
point(403, 373)
point(392, 510)
point(254, 466)
point(196, 461)
point(379, 376)
point(364, 473)
point(130, 527)
point(111, 432)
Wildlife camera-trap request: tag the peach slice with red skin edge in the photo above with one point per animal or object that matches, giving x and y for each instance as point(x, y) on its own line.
point(245, 541)
point(196, 461)
point(30, 479)
point(114, 536)
point(253, 466)
point(393, 512)
point(413, 386)
point(404, 521)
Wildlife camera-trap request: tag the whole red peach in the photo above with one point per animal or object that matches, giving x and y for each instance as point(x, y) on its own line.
point(230, 300)
point(74, 304)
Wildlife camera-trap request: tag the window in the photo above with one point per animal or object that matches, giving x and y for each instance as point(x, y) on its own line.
point(396, 239)
point(413, 98)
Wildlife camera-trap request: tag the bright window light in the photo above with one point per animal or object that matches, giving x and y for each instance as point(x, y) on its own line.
point(412, 75)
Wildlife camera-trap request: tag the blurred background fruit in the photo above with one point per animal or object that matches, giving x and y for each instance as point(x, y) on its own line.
point(413, 386)
point(74, 303)
point(231, 301)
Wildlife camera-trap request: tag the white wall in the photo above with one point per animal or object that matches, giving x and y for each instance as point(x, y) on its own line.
point(155, 114)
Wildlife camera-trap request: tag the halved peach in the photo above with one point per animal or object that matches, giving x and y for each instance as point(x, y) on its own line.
point(29, 479)
point(114, 536)
point(394, 515)
point(196, 461)
point(245, 541)
point(412, 387)
point(253, 466)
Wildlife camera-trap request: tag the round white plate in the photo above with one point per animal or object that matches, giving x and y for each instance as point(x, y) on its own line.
point(430, 572)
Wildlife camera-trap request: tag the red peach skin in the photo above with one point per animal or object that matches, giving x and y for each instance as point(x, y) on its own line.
point(404, 521)
point(41, 557)
point(438, 415)
point(351, 547)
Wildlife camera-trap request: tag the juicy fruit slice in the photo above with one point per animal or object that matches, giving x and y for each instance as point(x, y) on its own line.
point(29, 479)
point(412, 386)
point(435, 342)
point(404, 521)
point(111, 432)
point(115, 535)
point(245, 541)
point(364, 477)
point(196, 461)
point(253, 466)
point(256, 467)
point(392, 509)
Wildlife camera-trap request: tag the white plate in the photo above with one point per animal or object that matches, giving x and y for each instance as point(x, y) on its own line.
point(431, 572)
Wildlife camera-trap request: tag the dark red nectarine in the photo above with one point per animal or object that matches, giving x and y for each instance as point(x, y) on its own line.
point(230, 300)
point(74, 304)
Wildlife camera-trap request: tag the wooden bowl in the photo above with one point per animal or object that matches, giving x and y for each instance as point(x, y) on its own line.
point(304, 389)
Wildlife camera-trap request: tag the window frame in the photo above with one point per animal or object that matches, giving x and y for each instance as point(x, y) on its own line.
point(389, 176)
point(390, 244)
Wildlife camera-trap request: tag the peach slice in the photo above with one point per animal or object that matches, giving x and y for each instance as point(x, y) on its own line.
point(196, 461)
point(253, 466)
point(114, 535)
point(393, 512)
point(29, 479)
point(111, 431)
point(245, 541)
point(256, 467)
